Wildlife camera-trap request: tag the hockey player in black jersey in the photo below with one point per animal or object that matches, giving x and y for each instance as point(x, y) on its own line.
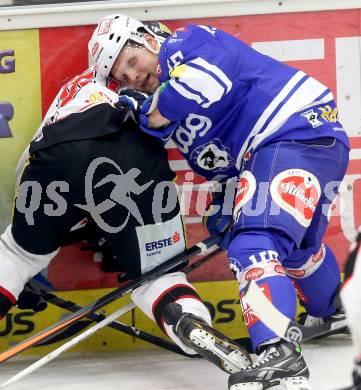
point(90, 161)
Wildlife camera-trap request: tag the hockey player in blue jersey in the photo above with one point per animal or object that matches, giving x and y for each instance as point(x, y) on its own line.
point(237, 114)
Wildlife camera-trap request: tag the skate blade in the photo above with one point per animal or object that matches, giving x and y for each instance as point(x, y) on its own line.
point(232, 362)
point(247, 386)
point(295, 383)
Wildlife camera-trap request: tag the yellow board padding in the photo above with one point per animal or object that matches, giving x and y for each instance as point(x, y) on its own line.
point(22, 89)
point(221, 298)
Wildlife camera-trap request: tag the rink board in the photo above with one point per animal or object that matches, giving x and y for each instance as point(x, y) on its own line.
point(35, 63)
point(220, 297)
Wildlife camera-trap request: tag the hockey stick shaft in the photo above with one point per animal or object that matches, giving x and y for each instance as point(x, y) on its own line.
point(71, 343)
point(119, 326)
point(169, 265)
point(130, 330)
point(279, 323)
point(102, 322)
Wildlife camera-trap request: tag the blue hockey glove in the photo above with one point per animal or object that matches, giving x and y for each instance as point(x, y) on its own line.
point(141, 105)
point(217, 220)
point(148, 107)
point(132, 100)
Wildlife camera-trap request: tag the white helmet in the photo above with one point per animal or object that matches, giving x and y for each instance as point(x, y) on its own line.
point(110, 36)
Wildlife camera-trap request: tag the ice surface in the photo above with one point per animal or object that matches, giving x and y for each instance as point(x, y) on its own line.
point(329, 360)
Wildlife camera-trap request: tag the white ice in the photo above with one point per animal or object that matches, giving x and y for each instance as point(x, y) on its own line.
point(329, 360)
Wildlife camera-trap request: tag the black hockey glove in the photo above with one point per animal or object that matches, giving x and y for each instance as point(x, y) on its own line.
point(109, 261)
point(30, 298)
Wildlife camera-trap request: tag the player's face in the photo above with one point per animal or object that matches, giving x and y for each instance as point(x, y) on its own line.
point(136, 67)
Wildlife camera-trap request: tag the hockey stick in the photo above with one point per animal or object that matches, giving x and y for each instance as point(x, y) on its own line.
point(133, 331)
point(169, 265)
point(52, 355)
point(130, 330)
point(279, 323)
point(121, 327)
point(102, 322)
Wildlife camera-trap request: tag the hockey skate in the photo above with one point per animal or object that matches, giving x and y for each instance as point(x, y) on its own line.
point(308, 320)
point(206, 341)
point(356, 376)
point(280, 365)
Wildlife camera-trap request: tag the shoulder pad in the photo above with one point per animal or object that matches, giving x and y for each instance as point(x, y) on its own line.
point(97, 121)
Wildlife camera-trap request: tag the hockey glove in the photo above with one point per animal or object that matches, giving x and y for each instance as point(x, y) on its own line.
point(218, 220)
point(141, 106)
point(30, 298)
point(109, 261)
point(132, 100)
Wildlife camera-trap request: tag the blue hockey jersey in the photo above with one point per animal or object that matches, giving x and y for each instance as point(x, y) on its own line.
point(231, 99)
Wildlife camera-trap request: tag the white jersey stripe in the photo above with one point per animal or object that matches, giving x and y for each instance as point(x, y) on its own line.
point(310, 90)
point(214, 69)
point(184, 92)
point(210, 90)
point(268, 112)
point(326, 99)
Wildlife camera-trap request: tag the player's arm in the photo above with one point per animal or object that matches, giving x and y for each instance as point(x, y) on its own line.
point(146, 112)
point(194, 74)
point(192, 81)
point(156, 119)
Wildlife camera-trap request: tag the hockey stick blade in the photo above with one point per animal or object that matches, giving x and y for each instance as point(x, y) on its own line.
point(279, 323)
point(173, 263)
point(74, 341)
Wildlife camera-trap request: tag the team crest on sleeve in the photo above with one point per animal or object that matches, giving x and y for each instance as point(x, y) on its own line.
point(212, 156)
point(312, 116)
point(297, 192)
point(246, 188)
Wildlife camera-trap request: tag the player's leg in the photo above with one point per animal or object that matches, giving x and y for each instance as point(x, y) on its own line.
point(281, 198)
point(313, 266)
point(18, 266)
point(264, 236)
point(257, 254)
point(174, 304)
point(33, 239)
point(317, 279)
